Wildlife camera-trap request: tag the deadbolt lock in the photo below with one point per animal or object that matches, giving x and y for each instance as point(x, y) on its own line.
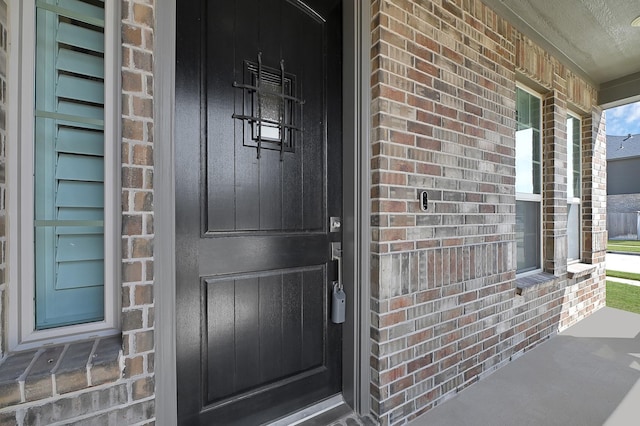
point(335, 224)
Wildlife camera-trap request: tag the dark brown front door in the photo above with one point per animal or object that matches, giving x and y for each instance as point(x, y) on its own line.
point(258, 176)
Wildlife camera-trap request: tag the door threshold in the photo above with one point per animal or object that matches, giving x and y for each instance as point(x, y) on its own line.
point(325, 411)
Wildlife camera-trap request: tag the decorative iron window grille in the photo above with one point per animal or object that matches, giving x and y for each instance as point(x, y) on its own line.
point(271, 111)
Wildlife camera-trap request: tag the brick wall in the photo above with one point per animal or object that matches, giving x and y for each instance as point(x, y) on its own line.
point(447, 308)
point(137, 196)
point(594, 187)
point(102, 395)
point(554, 189)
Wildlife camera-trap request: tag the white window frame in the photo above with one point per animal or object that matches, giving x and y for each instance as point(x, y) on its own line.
point(575, 200)
point(524, 196)
point(21, 121)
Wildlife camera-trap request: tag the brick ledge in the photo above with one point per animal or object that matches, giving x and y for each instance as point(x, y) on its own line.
point(54, 370)
point(576, 270)
point(535, 280)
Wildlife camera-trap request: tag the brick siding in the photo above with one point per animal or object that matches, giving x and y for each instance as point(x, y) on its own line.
point(137, 197)
point(447, 308)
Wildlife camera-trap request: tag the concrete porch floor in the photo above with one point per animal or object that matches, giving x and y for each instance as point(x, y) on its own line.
point(587, 375)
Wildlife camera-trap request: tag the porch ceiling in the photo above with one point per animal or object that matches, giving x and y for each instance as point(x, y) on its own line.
point(594, 37)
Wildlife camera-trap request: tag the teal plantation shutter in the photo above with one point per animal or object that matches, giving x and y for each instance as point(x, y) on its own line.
point(69, 162)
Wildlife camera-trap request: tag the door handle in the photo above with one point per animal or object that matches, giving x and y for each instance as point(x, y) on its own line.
point(336, 254)
point(338, 297)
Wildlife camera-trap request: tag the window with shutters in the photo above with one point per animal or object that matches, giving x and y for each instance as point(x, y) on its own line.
point(68, 179)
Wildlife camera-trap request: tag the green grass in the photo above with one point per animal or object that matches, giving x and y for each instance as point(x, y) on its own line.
point(626, 275)
point(623, 296)
point(629, 246)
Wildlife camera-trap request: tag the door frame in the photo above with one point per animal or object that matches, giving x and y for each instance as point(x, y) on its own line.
point(356, 207)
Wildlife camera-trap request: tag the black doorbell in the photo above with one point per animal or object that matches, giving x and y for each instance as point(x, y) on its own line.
point(424, 201)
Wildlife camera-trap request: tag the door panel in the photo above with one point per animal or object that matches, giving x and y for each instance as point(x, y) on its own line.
point(274, 192)
point(258, 174)
point(275, 330)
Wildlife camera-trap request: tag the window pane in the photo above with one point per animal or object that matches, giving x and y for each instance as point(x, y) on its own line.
point(523, 111)
point(528, 144)
point(528, 235)
point(573, 231)
point(536, 105)
point(570, 157)
point(573, 188)
point(573, 158)
point(524, 163)
point(577, 158)
point(537, 172)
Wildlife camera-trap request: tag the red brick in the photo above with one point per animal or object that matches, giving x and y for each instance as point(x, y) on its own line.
point(387, 320)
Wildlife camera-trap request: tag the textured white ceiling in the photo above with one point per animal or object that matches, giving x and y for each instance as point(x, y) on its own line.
point(596, 35)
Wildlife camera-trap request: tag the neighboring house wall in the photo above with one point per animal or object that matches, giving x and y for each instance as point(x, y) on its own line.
point(623, 176)
point(86, 395)
point(447, 307)
point(623, 203)
point(623, 186)
point(622, 214)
